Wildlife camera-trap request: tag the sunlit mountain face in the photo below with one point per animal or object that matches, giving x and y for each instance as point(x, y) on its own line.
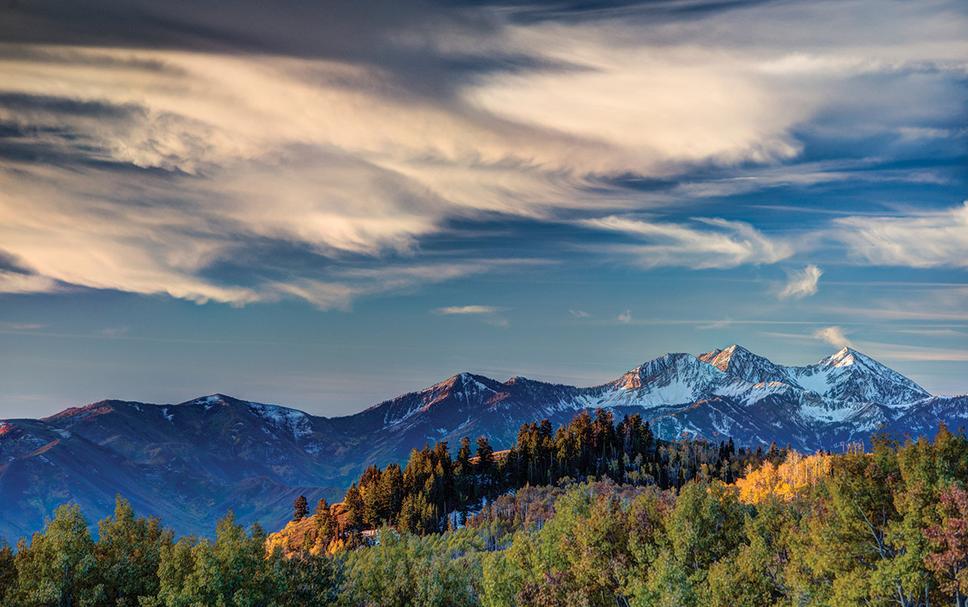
point(190, 462)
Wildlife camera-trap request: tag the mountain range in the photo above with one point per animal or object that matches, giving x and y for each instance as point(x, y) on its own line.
point(188, 463)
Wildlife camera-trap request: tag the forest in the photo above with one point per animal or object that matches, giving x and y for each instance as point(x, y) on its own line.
point(594, 514)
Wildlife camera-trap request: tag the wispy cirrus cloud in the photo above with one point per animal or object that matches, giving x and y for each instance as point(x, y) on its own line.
point(19, 282)
point(490, 315)
point(919, 240)
point(908, 352)
point(930, 303)
point(203, 148)
point(22, 326)
point(706, 243)
point(468, 310)
point(802, 283)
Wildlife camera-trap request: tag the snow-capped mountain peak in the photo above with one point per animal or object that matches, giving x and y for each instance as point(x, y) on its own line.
point(851, 376)
point(737, 361)
point(848, 356)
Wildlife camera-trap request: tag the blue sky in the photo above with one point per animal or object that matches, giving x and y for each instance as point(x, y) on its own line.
point(325, 205)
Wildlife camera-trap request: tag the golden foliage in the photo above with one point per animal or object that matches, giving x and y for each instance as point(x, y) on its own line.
point(301, 537)
point(785, 481)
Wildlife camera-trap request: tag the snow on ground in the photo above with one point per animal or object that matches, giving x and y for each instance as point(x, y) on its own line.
point(295, 421)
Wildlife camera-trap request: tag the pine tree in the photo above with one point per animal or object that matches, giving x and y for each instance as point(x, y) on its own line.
point(353, 505)
point(325, 524)
point(300, 508)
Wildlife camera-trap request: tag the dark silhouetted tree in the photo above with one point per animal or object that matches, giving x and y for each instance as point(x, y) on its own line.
point(300, 508)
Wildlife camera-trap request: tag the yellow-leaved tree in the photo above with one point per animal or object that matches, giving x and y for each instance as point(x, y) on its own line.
point(784, 481)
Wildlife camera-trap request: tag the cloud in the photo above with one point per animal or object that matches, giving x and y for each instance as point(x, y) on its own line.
point(802, 283)
point(624, 317)
point(716, 324)
point(924, 240)
point(19, 283)
point(22, 326)
point(489, 315)
point(579, 314)
point(347, 284)
point(942, 303)
point(173, 146)
point(918, 353)
point(707, 243)
point(833, 335)
point(468, 310)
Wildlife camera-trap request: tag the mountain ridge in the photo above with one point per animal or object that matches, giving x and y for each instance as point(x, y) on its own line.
point(183, 461)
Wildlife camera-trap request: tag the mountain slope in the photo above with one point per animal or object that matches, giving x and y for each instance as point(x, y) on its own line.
point(190, 462)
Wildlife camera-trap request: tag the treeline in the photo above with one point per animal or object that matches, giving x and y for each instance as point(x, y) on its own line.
point(418, 497)
point(886, 528)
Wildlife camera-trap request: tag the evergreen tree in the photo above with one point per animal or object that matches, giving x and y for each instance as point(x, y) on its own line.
point(485, 466)
point(300, 508)
point(389, 495)
point(353, 507)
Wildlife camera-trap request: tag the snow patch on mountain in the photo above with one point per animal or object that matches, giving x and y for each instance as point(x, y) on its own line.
point(295, 422)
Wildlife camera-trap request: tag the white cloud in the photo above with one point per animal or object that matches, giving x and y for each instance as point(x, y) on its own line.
point(624, 317)
point(833, 335)
point(339, 158)
point(14, 282)
point(468, 310)
point(347, 285)
point(579, 314)
point(920, 241)
point(708, 243)
point(802, 283)
point(487, 314)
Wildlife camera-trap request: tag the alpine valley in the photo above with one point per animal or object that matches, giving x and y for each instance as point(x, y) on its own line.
point(190, 462)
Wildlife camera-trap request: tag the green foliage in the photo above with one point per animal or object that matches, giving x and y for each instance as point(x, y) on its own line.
point(59, 566)
point(128, 553)
point(8, 570)
point(888, 527)
point(432, 485)
point(304, 580)
point(231, 572)
point(413, 571)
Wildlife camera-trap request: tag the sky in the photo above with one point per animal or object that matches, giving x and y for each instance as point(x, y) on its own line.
point(327, 204)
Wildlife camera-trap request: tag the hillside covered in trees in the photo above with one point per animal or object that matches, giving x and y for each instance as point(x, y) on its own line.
point(434, 490)
point(597, 514)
